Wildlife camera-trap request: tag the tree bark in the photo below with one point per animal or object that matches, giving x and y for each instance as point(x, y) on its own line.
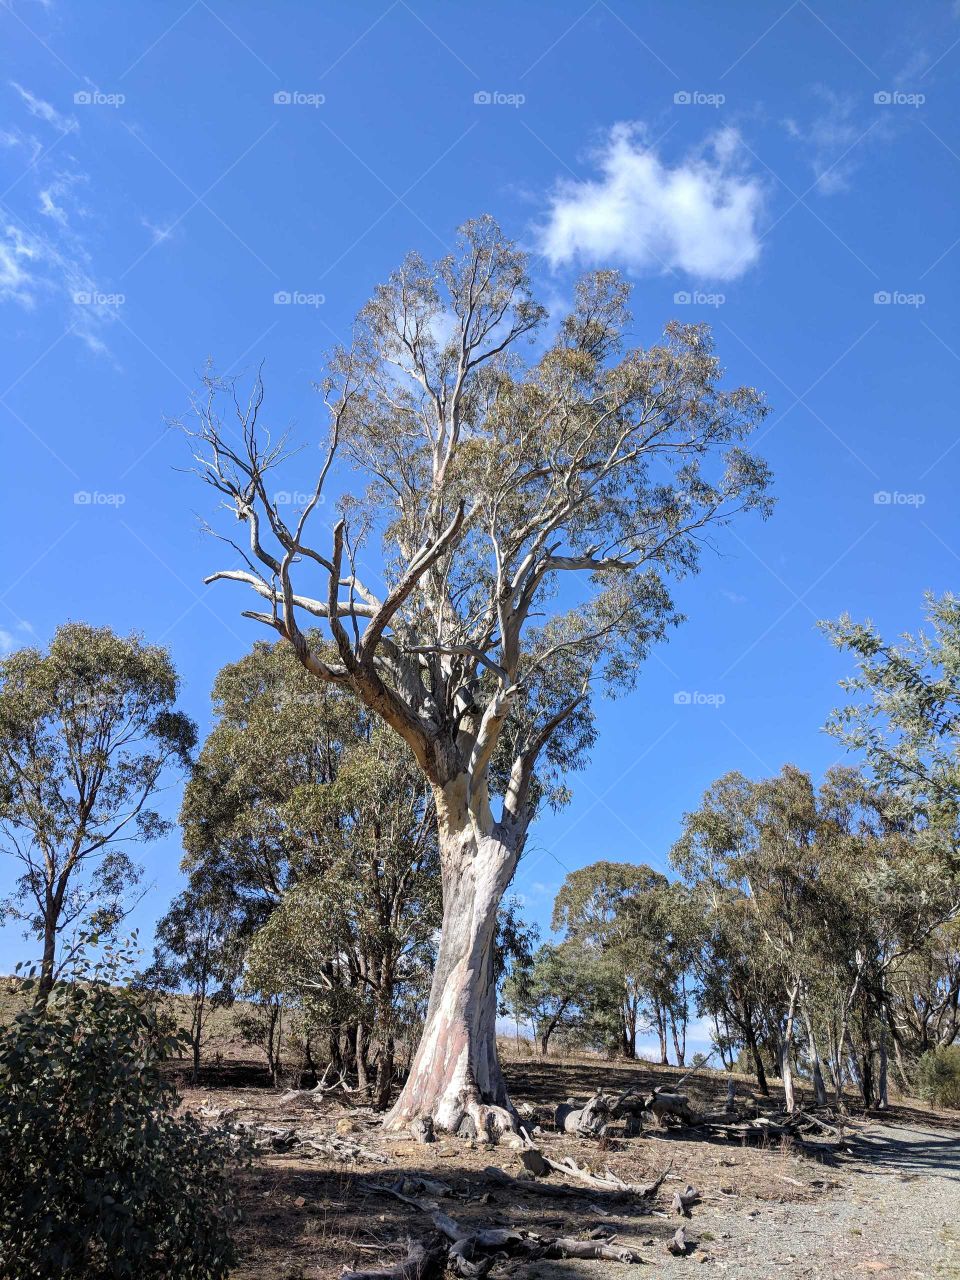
point(456, 1072)
point(786, 1052)
point(751, 1038)
point(820, 1089)
point(45, 984)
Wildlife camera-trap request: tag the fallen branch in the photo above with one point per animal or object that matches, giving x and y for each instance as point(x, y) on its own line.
point(422, 1262)
point(471, 1252)
point(607, 1181)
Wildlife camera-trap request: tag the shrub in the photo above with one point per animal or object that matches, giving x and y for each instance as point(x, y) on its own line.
point(938, 1076)
point(98, 1177)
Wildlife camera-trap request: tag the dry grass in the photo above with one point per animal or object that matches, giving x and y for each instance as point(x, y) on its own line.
point(310, 1218)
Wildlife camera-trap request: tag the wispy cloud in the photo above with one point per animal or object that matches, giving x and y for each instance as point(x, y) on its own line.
point(699, 215)
point(44, 111)
point(48, 259)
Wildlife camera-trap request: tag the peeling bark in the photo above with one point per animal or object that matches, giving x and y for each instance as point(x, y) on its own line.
point(455, 1072)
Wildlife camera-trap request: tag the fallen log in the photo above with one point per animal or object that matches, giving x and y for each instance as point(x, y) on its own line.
point(536, 1186)
point(607, 1181)
point(472, 1251)
point(675, 1106)
point(423, 1261)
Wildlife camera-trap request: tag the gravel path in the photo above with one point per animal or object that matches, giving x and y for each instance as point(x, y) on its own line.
point(897, 1214)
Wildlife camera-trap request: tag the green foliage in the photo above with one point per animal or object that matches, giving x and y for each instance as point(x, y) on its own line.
point(637, 930)
point(312, 851)
point(937, 1076)
point(87, 730)
point(99, 1179)
point(905, 716)
point(549, 991)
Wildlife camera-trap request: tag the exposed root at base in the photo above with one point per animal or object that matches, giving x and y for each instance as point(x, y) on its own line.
point(491, 1121)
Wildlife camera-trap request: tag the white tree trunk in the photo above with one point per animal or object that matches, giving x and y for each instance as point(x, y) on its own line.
point(456, 1072)
point(786, 1051)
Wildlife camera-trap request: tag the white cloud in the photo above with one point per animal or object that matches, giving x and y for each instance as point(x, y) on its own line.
point(44, 111)
point(836, 136)
point(699, 216)
point(53, 264)
point(158, 233)
point(16, 255)
point(828, 138)
point(7, 642)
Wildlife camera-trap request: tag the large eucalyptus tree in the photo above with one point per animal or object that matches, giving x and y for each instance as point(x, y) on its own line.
point(524, 515)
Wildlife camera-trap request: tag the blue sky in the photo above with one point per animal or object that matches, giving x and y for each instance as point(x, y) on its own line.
point(787, 172)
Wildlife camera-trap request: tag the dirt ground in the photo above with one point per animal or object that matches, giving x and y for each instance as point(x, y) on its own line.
point(884, 1200)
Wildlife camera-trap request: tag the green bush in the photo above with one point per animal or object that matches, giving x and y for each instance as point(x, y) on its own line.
point(98, 1177)
point(938, 1076)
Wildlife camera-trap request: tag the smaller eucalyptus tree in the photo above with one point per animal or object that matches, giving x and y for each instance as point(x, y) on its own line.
point(87, 731)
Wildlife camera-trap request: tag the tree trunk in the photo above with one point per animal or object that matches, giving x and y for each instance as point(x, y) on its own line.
point(361, 1040)
point(662, 1036)
point(819, 1088)
point(883, 1098)
point(679, 1043)
point(751, 1038)
point(45, 985)
point(786, 1053)
point(456, 1072)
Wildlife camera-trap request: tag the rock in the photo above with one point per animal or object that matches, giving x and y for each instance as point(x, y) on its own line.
point(345, 1125)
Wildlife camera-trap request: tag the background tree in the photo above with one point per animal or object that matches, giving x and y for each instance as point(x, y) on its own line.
point(905, 715)
point(198, 951)
point(490, 484)
point(549, 992)
point(632, 921)
point(316, 817)
point(87, 731)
